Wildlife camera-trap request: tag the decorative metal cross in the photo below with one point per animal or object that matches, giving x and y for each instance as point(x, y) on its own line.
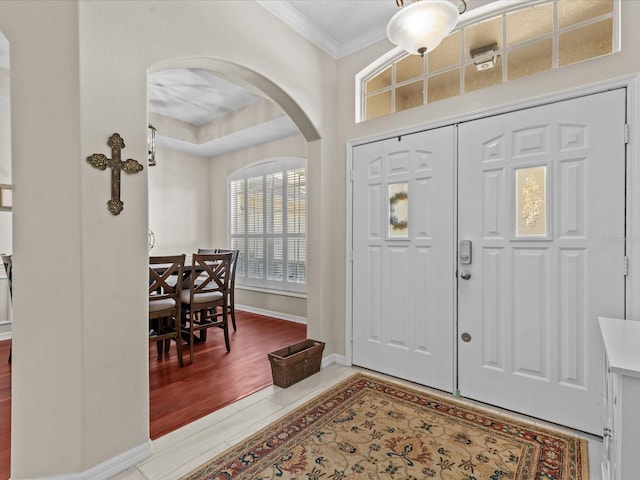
point(101, 162)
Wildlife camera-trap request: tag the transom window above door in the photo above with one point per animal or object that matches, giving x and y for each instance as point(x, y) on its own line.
point(267, 207)
point(529, 38)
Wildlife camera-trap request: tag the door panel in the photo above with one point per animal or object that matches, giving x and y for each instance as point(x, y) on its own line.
point(542, 198)
point(403, 273)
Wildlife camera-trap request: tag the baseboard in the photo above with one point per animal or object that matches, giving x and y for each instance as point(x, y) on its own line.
point(111, 467)
point(269, 313)
point(5, 336)
point(334, 358)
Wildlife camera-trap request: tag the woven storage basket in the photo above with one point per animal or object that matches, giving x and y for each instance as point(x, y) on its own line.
point(296, 362)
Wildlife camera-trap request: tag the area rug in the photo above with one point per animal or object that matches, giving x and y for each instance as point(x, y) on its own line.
point(366, 428)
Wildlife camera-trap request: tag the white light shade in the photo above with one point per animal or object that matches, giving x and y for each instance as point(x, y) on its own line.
point(420, 27)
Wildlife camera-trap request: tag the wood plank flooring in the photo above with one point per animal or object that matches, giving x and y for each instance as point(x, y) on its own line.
point(178, 396)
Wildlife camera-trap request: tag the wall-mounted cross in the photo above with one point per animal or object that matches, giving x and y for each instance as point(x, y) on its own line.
point(101, 162)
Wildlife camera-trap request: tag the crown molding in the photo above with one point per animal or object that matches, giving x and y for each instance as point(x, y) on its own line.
point(292, 17)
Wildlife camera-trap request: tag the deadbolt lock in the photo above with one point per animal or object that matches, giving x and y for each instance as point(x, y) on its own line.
point(466, 337)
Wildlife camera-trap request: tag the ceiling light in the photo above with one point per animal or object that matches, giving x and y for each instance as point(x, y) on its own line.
point(419, 27)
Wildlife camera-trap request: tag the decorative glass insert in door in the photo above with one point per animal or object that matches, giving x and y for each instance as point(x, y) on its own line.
point(531, 202)
point(399, 210)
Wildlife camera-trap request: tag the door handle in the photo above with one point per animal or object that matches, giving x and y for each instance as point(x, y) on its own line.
point(465, 252)
point(465, 274)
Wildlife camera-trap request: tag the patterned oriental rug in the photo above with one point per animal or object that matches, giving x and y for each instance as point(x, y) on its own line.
point(365, 428)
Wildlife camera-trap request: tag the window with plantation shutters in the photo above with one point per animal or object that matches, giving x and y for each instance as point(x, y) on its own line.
point(267, 208)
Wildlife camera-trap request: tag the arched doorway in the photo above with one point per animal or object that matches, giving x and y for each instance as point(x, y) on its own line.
point(200, 141)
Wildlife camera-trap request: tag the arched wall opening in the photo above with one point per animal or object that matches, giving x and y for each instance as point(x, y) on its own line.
point(252, 81)
point(188, 189)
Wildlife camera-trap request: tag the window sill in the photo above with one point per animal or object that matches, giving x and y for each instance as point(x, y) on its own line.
point(271, 291)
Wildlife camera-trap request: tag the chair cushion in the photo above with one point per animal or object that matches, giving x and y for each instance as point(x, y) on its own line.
point(159, 305)
point(204, 297)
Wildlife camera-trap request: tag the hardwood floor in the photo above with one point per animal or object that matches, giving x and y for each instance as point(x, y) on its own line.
point(216, 378)
point(178, 396)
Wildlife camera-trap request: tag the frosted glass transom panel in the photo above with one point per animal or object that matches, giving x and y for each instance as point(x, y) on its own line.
point(532, 58)
point(586, 42)
point(446, 55)
point(477, 79)
point(378, 105)
point(382, 80)
point(399, 209)
point(481, 34)
point(409, 96)
point(444, 85)
point(409, 67)
point(531, 202)
point(571, 12)
point(521, 39)
point(533, 22)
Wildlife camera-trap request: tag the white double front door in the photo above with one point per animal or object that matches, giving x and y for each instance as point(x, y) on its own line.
point(484, 252)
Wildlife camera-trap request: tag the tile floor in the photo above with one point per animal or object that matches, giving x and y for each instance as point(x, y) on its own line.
point(179, 452)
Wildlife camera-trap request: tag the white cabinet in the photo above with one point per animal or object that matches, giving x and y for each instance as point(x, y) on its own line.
point(621, 436)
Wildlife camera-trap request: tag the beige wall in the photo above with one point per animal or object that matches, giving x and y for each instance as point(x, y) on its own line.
point(288, 307)
point(179, 203)
point(86, 353)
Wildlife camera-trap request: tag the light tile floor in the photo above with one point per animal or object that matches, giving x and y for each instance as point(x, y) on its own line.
point(181, 451)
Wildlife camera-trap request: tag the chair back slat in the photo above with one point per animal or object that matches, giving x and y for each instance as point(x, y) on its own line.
point(210, 274)
point(165, 286)
point(234, 263)
point(165, 277)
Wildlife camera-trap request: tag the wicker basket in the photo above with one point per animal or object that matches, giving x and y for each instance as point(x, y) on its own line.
point(296, 362)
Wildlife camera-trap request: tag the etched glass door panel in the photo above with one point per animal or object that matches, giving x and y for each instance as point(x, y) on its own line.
point(540, 192)
point(399, 210)
point(403, 258)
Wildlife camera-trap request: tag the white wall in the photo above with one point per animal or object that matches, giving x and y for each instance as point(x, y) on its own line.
point(179, 203)
point(86, 353)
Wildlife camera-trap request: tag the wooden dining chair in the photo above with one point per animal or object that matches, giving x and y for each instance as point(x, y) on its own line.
point(8, 267)
point(231, 300)
point(164, 302)
point(207, 290)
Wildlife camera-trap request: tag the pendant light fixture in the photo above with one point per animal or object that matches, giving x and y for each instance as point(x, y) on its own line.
point(419, 27)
